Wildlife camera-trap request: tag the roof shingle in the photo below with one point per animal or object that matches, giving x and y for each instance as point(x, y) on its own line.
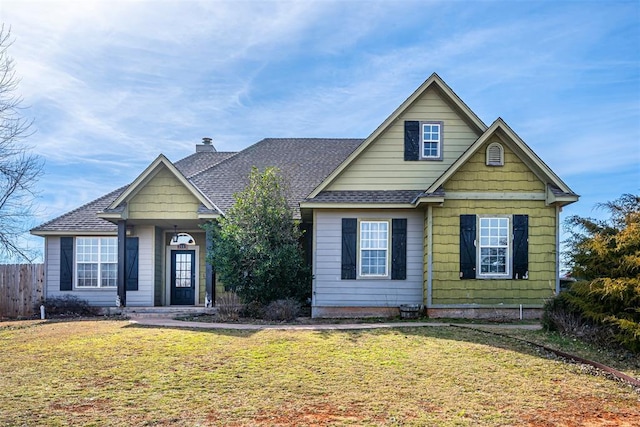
point(377, 196)
point(304, 162)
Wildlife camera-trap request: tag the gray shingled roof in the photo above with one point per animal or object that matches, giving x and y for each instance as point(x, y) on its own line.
point(304, 163)
point(85, 218)
point(382, 197)
point(198, 162)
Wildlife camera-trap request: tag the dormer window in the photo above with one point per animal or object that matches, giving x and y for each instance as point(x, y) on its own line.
point(495, 155)
point(431, 140)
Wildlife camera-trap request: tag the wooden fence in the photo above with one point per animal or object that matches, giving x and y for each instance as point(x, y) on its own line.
point(21, 289)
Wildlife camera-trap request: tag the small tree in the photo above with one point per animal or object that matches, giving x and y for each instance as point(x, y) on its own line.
point(606, 248)
point(605, 256)
point(256, 249)
point(18, 168)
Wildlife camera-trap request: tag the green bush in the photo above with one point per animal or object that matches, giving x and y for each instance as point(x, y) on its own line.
point(256, 245)
point(605, 255)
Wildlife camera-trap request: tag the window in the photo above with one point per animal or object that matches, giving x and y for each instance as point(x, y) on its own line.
point(495, 155)
point(96, 262)
point(494, 247)
point(431, 138)
point(374, 248)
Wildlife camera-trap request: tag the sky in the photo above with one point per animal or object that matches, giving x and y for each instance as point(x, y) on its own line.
point(112, 84)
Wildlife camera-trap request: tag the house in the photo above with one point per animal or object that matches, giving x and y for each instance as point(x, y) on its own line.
point(434, 208)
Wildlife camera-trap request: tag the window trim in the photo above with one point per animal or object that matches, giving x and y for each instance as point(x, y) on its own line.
point(479, 247)
point(76, 263)
point(359, 263)
point(440, 125)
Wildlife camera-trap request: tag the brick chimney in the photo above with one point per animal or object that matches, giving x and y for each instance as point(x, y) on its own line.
point(206, 146)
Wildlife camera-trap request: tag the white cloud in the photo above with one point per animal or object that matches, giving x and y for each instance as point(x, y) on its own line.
point(114, 83)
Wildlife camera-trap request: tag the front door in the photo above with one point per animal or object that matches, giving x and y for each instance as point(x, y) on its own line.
point(183, 277)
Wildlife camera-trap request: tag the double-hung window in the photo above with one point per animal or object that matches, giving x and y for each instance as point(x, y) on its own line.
point(494, 246)
point(374, 248)
point(96, 262)
point(494, 250)
point(431, 140)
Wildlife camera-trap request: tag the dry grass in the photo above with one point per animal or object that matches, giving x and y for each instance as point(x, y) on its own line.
point(111, 373)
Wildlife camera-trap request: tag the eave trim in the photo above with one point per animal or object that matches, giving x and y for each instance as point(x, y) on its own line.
point(307, 205)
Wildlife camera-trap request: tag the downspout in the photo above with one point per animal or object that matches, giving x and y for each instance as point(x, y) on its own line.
point(429, 255)
point(558, 209)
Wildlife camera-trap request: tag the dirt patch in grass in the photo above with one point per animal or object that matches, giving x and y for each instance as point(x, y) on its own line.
point(588, 412)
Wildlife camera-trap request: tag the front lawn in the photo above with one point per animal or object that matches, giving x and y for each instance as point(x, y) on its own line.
point(113, 373)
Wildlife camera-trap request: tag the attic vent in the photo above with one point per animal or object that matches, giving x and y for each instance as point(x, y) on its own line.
point(495, 155)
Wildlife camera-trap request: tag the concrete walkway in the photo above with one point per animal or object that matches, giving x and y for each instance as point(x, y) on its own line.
point(172, 323)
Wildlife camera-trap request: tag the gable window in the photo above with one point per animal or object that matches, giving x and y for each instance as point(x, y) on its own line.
point(96, 262)
point(374, 248)
point(431, 140)
point(494, 247)
point(423, 140)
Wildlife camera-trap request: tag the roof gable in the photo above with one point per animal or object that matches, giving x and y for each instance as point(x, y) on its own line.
point(147, 175)
point(506, 135)
point(433, 83)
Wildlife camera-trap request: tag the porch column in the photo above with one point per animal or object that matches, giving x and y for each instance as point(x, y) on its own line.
point(122, 262)
point(208, 277)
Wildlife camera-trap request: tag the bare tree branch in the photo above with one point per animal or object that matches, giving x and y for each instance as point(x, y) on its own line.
point(19, 169)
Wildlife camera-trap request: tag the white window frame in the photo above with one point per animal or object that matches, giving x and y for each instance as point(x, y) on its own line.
point(437, 141)
point(373, 244)
point(106, 254)
point(495, 230)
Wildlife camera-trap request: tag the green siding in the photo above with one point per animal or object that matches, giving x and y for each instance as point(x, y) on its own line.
point(202, 244)
point(382, 166)
point(448, 288)
point(164, 196)
point(475, 176)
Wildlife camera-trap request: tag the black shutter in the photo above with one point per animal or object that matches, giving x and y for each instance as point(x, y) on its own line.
point(467, 246)
point(66, 263)
point(132, 264)
point(520, 246)
point(398, 249)
point(349, 243)
point(411, 140)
